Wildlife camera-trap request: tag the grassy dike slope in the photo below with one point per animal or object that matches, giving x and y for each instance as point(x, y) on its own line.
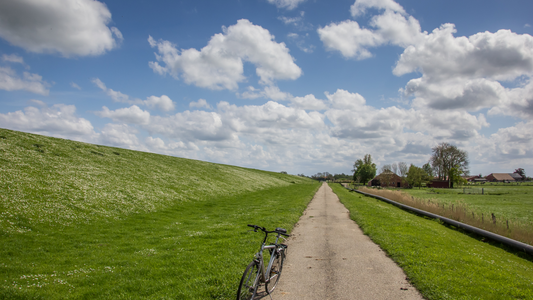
point(441, 262)
point(82, 221)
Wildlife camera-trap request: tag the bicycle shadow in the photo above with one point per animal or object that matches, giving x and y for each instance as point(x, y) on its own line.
point(262, 295)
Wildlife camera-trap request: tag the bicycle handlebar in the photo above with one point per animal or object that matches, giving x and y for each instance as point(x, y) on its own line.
point(278, 230)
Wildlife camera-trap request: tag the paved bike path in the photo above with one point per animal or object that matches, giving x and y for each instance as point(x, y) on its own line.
point(329, 257)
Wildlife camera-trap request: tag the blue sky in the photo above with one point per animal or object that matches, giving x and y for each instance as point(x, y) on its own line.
point(284, 85)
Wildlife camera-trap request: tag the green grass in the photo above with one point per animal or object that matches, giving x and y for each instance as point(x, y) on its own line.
point(196, 250)
point(54, 182)
point(441, 262)
point(80, 221)
point(455, 208)
point(506, 202)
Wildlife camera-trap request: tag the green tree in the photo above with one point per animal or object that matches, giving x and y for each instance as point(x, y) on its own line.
point(364, 170)
point(427, 168)
point(447, 157)
point(417, 176)
point(455, 176)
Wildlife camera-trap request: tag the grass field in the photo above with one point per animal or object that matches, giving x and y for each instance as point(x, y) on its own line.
point(502, 209)
point(80, 221)
point(507, 202)
point(443, 263)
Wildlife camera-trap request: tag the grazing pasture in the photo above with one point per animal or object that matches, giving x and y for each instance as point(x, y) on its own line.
point(505, 201)
point(502, 209)
point(81, 221)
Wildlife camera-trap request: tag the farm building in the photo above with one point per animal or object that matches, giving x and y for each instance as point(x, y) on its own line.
point(439, 184)
point(516, 176)
point(475, 179)
point(388, 179)
point(499, 177)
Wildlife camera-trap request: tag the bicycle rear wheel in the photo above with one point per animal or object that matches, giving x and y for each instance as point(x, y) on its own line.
point(249, 282)
point(275, 271)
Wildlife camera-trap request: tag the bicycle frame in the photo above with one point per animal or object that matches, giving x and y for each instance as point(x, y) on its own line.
point(261, 276)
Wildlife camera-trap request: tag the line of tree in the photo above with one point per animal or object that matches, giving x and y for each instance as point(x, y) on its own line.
point(447, 162)
point(328, 176)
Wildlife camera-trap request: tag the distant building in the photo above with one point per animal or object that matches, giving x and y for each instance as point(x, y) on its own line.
point(388, 179)
point(439, 184)
point(500, 177)
point(475, 179)
point(516, 176)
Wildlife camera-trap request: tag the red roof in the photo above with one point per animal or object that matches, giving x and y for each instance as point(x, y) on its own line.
point(502, 176)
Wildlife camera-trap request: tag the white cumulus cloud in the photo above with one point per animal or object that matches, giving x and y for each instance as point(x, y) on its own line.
point(360, 6)
point(349, 38)
point(120, 135)
point(466, 72)
point(514, 141)
point(268, 116)
point(31, 82)
point(219, 65)
point(343, 99)
point(163, 103)
point(502, 55)
point(155, 143)
point(131, 115)
point(13, 58)
point(191, 126)
point(457, 72)
point(58, 120)
point(287, 4)
point(201, 103)
point(308, 102)
point(393, 27)
point(71, 28)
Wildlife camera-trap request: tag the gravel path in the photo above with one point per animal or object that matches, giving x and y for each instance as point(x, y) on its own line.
point(329, 257)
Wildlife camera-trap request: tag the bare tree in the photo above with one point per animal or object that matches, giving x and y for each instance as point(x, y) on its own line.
point(394, 168)
point(386, 168)
point(403, 169)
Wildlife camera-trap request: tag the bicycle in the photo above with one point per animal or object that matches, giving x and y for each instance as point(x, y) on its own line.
point(255, 274)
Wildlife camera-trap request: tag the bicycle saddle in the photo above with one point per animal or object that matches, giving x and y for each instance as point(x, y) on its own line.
point(282, 230)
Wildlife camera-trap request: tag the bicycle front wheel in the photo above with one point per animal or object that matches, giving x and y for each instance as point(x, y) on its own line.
point(275, 271)
point(249, 282)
